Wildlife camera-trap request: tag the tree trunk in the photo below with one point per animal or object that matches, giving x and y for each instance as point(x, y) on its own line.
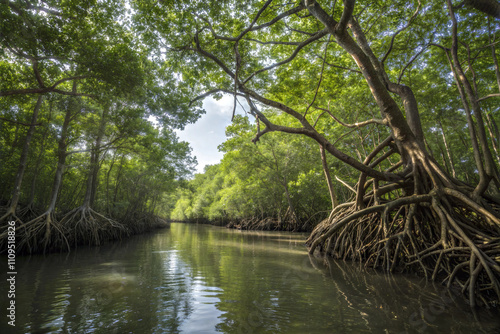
point(326, 171)
point(108, 174)
point(94, 160)
point(488, 171)
point(62, 148)
point(494, 135)
point(11, 210)
point(448, 151)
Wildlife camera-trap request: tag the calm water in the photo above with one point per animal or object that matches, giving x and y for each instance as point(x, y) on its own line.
point(205, 279)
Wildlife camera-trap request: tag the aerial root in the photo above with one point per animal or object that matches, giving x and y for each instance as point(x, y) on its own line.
point(443, 235)
point(89, 227)
point(40, 235)
point(49, 233)
point(29, 212)
point(267, 224)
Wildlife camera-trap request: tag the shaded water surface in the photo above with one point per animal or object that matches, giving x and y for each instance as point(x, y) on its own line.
point(205, 279)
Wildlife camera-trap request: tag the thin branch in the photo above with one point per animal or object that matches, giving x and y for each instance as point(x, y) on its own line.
point(410, 62)
point(253, 28)
point(338, 66)
point(399, 31)
point(259, 13)
point(37, 73)
point(320, 78)
point(488, 96)
point(20, 123)
point(357, 124)
point(211, 56)
point(63, 92)
point(238, 64)
point(299, 31)
point(44, 89)
point(292, 11)
point(78, 77)
point(211, 92)
point(317, 119)
point(346, 184)
point(309, 131)
point(272, 42)
point(344, 135)
point(317, 36)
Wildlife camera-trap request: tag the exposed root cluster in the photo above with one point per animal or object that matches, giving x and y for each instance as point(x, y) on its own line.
point(264, 224)
point(89, 227)
point(42, 234)
point(49, 232)
point(140, 222)
point(29, 212)
point(444, 235)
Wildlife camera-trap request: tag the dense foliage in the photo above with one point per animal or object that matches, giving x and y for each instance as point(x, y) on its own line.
point(87, 144)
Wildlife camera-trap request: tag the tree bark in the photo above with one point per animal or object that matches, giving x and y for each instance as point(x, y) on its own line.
point(333, 195)
point(62, 147)
point(94, 160)
point(489, 168)
point(494, 135)
point(16, 193)
point(448, 151)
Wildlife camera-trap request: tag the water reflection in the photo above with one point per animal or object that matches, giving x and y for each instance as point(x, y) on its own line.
point(202, 279)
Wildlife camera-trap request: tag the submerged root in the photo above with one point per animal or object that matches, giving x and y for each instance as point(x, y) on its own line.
point(442, 235)
point(89, 227)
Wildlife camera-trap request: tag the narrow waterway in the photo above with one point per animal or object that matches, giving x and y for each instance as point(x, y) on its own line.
point(205, 279)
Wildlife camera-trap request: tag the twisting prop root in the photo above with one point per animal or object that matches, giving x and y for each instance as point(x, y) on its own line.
point(7, 216)
point(29, 212)
point(87, 226)
point(42, 234)
point(437, 231)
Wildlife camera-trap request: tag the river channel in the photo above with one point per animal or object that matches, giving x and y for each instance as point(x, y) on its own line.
point(206, 279)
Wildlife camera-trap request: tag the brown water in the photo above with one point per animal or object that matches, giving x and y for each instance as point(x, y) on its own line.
point(205, 279)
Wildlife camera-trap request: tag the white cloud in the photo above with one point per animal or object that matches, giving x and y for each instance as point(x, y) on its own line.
point(209, 131)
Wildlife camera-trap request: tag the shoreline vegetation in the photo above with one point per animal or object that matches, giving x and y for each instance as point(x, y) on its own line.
point(90, 229)
point(254, 224)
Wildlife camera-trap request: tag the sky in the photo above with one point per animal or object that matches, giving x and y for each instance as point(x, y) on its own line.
point(210, 130)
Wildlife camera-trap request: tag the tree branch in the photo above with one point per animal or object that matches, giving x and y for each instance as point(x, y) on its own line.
point(488, 96)
point(44, 89)
point(252, 27)
point(399, 31)
point(37, 73)
point(410, 62)
point(272, 42)
point(320, 79)
point(338, 66)
point(346, 16)
point(317, 36)
point(354, 125)
point(20, 123)
point(309, 131)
